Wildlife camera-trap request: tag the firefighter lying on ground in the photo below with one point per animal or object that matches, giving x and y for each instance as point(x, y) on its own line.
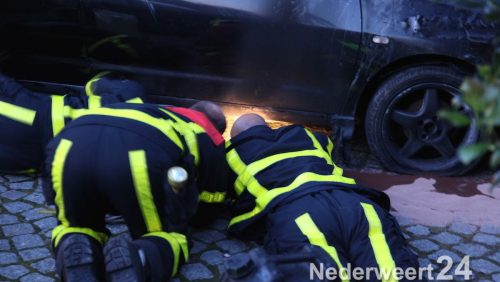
point(29, 120)
point(115, 160)
point(290, 194)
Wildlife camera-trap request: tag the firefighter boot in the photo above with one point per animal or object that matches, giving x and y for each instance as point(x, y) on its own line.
point(125, 262)
point(79, 258)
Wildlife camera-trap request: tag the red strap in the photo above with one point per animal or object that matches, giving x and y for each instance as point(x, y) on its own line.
point(200, 119)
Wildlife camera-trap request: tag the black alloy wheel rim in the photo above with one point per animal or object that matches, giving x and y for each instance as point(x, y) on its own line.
point(416, 137)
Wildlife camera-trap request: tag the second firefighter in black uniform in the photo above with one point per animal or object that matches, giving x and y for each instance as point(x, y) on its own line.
point(290, 195)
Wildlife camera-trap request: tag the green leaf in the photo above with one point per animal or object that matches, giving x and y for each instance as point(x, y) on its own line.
point(456, 118)
point(470, 153)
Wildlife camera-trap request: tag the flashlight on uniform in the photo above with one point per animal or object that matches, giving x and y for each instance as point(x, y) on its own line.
point(177, 178)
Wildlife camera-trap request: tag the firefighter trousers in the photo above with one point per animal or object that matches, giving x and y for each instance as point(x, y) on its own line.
point(345, 231)
point(94, 170)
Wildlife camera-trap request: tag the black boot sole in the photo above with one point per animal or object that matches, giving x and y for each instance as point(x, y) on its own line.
point(122, 262)
point(79, 261)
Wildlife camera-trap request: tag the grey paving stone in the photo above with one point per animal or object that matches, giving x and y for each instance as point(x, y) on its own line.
point(496, 277)
point(17, 207)
point(455, 257)
point(13, 272)
point(36, 198)
point(471, 249)
point(446, 238)
point(424, 245)
point(4, 245)
point(13, 195)
point(212, 257)
point(46, 223)
point(35, 214)
point(232, 246)
point(197, 247)
point(490, 229)
point(486, 239)
point(496, 257)
point(22, 185)
point(34, 254)
point(45, 266)
point(418, 230)
point(7, 219)
point(2, 188)
point(7, 258)
point(196, 271)
point(463, 228)
point(209, 236)
point(404, 221)
point(32, 277)
point(484, 266)
point(27, 241)
point(17, 229)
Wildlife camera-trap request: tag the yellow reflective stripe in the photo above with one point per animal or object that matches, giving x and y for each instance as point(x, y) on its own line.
point(89, 87)
point(317, 238)
point(165, 126)
point(17, 113)
point(181, 239)
point(262, 201)
point(135, 100)
point(58, 163)
point(252, 169)
point(142, 186)
point(177, 242)
point(217, 197)
point(240, 168)
point(379, 244)
point(196, 128)
point(61, 230)
point(327, 155)
point(189, 136)
point(329, 147)
point(71, 113)
point(94, 102)
point(57, 114)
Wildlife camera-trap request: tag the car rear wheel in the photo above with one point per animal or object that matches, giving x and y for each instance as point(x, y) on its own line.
point(402, 124)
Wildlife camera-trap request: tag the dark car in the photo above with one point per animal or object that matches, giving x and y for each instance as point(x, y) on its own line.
point(383, 66)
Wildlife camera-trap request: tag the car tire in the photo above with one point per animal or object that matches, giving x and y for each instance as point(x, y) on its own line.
point(402, 126)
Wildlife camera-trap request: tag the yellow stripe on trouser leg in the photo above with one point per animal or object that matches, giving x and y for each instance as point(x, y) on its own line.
point(17, 113)
point(379, 244)
point(57, 178)
point(178, 243)
point(61, 230)
point(317, 238)
point(139, 169)
point(57, 114)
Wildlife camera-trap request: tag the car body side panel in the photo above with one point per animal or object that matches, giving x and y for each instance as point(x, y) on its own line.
point(267, 53)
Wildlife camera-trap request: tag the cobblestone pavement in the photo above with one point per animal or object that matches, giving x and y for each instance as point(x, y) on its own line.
point(25, 224)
